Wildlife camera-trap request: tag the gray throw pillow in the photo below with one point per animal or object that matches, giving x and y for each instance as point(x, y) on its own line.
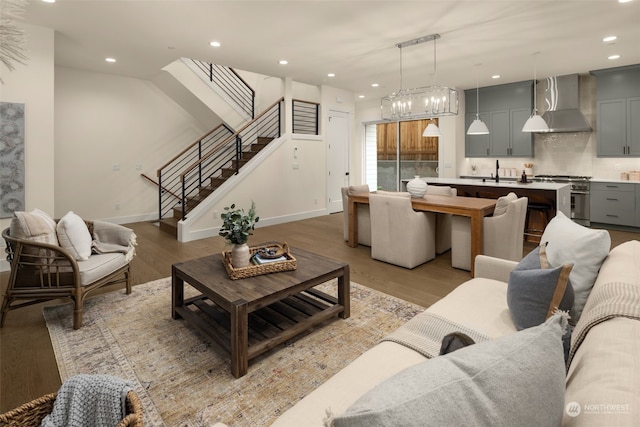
point(515, 380)
point(536, 290)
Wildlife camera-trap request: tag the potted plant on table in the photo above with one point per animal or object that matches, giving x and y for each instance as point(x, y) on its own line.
point(236, 228)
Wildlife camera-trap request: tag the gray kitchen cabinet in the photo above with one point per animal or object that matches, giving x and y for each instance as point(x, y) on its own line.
point(618, 111)
point(614, 203)
point(476, 145)
point(504, 109)
point(618, 126)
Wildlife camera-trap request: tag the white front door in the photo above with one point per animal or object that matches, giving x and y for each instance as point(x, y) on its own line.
point(337, 158)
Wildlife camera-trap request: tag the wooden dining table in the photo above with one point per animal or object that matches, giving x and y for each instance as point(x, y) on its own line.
point(476, 208)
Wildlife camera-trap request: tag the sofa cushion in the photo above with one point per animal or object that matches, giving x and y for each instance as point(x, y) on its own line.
point(602, 382)
point(503, 202)
point(585, 248)
point(536, 290)
point(74, 236)
point(486, 379)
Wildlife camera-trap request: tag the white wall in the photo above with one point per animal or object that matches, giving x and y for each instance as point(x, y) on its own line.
point(104, 122)
point(33, 85)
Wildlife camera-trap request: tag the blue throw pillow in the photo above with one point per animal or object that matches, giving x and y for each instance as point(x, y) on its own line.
point(536, 290)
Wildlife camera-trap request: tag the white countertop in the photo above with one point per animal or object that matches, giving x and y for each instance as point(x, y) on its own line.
point(617, 181)
point(502, 183)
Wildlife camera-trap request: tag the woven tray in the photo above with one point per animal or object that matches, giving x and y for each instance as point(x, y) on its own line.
point(256, 270)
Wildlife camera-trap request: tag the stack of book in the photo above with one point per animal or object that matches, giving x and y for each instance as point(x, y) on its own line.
point(258, 260)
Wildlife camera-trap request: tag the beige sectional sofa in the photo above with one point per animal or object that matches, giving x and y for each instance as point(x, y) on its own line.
point(509, 377)
point(602, 381)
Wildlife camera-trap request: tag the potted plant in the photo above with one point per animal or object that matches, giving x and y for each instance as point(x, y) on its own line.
point(236, 228)
point(474, 169)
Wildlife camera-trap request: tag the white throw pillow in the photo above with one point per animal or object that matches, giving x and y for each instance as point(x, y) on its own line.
point(503, 203)
point(586, 249)
point(74, 236)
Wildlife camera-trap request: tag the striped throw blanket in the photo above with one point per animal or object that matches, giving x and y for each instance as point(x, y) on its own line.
point(606, 301)
point(424, 333)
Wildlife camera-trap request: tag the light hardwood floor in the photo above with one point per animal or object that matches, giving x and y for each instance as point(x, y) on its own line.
point(27, 363)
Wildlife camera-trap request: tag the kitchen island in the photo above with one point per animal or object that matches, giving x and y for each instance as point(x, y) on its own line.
point(558, 195)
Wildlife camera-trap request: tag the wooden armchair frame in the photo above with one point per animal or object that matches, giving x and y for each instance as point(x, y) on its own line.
point(42, 272)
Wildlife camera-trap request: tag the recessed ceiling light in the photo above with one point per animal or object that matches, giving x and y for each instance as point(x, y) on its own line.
point(283, 62)
point(624, 1)
point(495, 76)
point(110, 59)
point(331, 75)
point(609, 39)
point(49, 1)
point(360, 96)
point(214, 44)
point(614, 57)
point(374, 85)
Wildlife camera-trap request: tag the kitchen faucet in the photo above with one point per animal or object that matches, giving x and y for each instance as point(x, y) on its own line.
point(497, 167)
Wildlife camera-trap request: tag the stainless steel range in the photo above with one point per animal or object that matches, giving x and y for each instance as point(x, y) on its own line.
point(580, 187)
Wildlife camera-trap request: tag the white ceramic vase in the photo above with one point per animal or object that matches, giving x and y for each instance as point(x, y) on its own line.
point(240, 255)
point(417, 187)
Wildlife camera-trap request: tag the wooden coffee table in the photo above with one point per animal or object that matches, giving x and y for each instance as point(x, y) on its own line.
point(250, 316)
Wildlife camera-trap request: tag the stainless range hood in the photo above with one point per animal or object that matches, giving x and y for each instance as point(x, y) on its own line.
point(562, 104)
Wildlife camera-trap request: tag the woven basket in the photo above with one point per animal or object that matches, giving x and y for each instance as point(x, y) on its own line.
point(256, 270)
point(32, 413)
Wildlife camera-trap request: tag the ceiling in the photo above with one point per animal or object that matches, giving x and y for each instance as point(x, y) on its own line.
point(356, 40)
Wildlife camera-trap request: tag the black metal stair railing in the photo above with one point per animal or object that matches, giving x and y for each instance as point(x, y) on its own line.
point(305, 117)
point(226, 158)
point(169, 185)
point(231, 84)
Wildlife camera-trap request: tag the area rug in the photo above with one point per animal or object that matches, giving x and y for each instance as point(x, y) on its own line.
point(184, 379)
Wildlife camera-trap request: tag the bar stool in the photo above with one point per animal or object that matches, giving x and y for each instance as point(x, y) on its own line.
point(541, 207)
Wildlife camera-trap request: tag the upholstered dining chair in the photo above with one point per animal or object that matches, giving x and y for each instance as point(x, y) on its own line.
point(400, 235)
point(443, 220)
point(503, 233)
point(364, 221)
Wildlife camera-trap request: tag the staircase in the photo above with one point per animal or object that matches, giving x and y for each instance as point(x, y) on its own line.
point(170, 224)
point(200, 169)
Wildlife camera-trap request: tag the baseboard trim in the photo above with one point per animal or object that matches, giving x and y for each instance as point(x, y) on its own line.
point(264, 222)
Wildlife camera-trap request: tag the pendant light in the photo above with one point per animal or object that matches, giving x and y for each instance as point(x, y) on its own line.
point(432, 130)
point(535, 123)
point(478, 127)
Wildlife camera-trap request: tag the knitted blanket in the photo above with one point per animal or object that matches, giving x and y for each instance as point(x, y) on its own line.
point(109, 238)
point(424, 333)
point(89, 401)
point(606, 301)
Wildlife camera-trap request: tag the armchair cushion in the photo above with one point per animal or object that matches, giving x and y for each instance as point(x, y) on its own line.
point(74, 236)
point(36, 225)
point(99, 266)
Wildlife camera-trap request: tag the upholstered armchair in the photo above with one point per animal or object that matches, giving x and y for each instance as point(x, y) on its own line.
point(400, 235)
point(69, 258)
point(364, 221)
point(503, 233)
point(443, 220)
